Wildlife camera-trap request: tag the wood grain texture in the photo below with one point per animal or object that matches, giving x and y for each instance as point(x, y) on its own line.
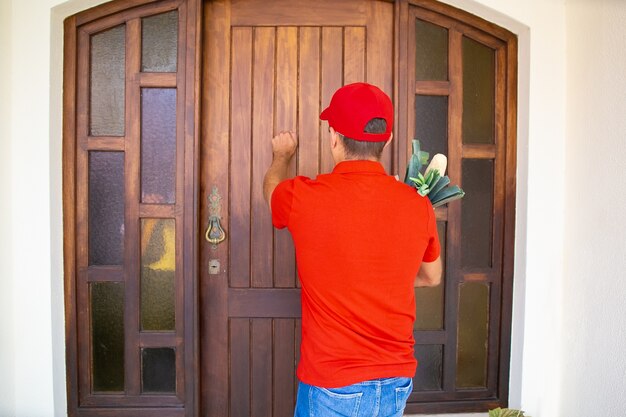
point(331, 81)
point(309, 102)
point(214, 171)
point(286, 119)
point(263, 92)
point(241, 156)
point(69, 211)
point(354, 54)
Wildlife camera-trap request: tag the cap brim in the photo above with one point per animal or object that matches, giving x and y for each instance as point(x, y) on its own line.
point(325, 114)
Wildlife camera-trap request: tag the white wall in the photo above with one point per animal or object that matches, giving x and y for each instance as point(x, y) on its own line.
point(30, 215)
point(34, 194)
point(7, 370)
point(594, 290)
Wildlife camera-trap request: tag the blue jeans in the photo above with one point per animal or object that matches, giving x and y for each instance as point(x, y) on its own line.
point(376, 398)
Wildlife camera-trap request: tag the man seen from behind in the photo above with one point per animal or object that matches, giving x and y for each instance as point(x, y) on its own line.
point(363, 240)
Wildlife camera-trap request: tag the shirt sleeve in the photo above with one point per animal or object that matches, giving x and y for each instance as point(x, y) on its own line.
point(433, 250)
point(282, 199)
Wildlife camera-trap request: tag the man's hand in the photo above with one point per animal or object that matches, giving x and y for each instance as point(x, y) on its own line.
point(283, 148)
point(284, 145)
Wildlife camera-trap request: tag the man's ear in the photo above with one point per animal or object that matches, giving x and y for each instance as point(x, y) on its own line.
point(389, 140)
point(334, 138)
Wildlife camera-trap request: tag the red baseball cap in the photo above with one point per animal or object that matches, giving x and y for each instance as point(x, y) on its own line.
point(353, 106)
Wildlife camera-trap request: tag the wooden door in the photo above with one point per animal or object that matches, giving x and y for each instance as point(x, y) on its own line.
point(268, 66)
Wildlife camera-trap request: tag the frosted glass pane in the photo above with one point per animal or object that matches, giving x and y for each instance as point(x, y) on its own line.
point(106, 208)
point(477, 212)
point(428, 375)
point(431, 52)
point(158, 145)
point(429, 300)
point(108, 61)
point(107, 336)
point(159, 39)
point(479, 75)
point(431, 123)
point(158, 274)
point(471, 367)
point(158, 370)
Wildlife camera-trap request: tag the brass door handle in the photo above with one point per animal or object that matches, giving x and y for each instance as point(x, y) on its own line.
point(215, 233)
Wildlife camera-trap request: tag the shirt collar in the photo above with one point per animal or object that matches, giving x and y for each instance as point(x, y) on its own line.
point(345, 167)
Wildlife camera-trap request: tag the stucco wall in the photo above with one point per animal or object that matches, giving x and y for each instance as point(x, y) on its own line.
point(7, 369)
point(549, 245)
point(593, 379)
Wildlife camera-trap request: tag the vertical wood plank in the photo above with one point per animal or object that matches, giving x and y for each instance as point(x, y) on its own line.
point(132, 361)
point(403, 98)
point(308, 102)
point(190, 58)
point(286, 119)
point(183, 231)
point(261, 264)
point(379, 65)
point(241, 152)
point(509, 212)
point(284, 367)
point(406, 149)
point(261, 387)
point(455, 153)
point(354, 54)
point(240, 377)
point(298, 344)
point(495, 293)
point(214, 171)
point(82, 219)
point(70, 53)
point(500, 161)
point(332, 76)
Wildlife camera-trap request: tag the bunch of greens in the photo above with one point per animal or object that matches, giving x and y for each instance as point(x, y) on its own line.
point(506, 412)
point(432, 183)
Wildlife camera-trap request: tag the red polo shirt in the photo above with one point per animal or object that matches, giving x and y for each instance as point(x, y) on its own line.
point(360, 237)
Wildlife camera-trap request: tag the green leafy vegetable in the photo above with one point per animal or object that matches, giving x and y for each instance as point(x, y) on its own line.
point(432, 182)
point(506, 412)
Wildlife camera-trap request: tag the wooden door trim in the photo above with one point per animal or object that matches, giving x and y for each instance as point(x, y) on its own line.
point(214, 149)
point(284, 13)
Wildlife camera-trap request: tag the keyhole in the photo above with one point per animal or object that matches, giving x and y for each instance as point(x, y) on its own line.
point(214, 267)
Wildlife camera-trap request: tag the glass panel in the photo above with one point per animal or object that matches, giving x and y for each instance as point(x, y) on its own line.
point(429, 300)
point(106, 208)
point(471, 366)
point(158, 370)
point(479, 75)
point(158, 273)
point(107, 336)
point(108, 62)
point(477, 212)
point(158, 145)
point(429, 369)
point(431, 123)
point(159, 38)
point(431, 52)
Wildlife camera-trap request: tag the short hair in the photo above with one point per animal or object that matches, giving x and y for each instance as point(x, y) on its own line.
point(358, 149)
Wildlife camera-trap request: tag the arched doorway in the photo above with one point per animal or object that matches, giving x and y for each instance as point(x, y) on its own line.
point(169, 108)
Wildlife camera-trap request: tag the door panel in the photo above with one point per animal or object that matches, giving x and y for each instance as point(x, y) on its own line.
point(269, 66)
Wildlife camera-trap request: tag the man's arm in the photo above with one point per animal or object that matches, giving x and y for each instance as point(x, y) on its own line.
point(429, 274)
point(283, 148)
